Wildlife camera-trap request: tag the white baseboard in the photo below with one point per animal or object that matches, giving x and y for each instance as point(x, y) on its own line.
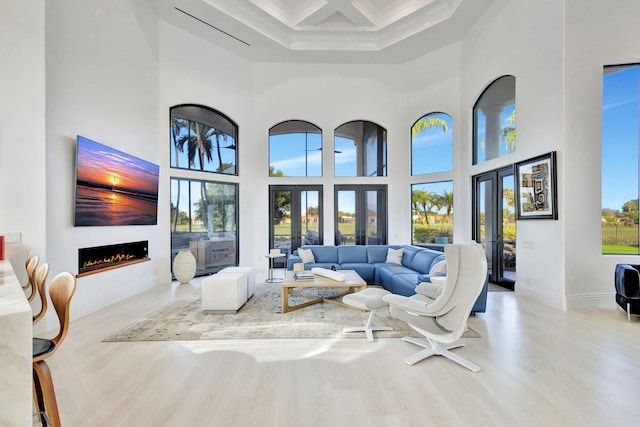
point(542, 296)
point(567, 302)
point(592, 300)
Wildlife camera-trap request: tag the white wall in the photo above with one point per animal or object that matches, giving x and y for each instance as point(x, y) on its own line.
point(22, 129)
point(102, 83)
point(597, 34)
point(523, 39)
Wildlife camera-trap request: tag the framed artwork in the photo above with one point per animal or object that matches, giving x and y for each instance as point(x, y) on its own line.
point(536, 188)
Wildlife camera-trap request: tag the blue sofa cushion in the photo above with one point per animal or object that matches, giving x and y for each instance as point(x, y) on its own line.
point(364, 270)
point(378, 253)
point(324, 254)
point(404, 283)
point(425, 259)
point(355, 253)
point(409, 254)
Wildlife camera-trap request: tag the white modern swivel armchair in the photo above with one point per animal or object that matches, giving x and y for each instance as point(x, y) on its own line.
point(442, 318)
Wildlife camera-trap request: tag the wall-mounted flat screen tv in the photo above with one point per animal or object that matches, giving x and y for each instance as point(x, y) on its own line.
point(114, 188)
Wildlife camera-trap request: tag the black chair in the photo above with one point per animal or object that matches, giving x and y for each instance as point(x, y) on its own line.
point(627, 281)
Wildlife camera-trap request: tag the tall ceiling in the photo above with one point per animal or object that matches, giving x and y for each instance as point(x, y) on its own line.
point(348, 31)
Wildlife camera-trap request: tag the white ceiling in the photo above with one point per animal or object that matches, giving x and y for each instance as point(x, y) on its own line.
point(350, 31)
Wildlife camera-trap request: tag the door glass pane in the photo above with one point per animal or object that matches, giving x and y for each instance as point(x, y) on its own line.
point(508, 230)
point(485, 221)
point(372, 202)
point(281, 221)
point(309, 217)
point(346, 217)
point(620, 142)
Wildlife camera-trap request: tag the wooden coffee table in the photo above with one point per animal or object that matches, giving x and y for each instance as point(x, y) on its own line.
point(353, 282)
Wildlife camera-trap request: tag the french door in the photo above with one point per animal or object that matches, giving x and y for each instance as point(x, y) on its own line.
point(494, 225)
point(296, 217)
point(360, 215)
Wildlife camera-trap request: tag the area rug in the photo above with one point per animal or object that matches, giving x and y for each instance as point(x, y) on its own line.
point(259, 318)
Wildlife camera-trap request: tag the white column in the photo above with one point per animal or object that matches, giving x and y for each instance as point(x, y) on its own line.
point(492, 130)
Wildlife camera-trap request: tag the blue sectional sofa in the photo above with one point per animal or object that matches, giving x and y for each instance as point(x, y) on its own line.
point(369, 261)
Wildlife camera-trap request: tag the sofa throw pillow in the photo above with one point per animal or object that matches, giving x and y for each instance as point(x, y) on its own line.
point(306, 256)
point(394, 256)
point(439, 269)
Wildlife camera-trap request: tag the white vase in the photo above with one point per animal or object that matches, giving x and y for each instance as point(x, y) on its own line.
point(184, 266)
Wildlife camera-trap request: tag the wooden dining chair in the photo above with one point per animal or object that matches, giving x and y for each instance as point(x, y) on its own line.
point(61, 291)
point(31, 267)
point(41, 284)
point(26, 267)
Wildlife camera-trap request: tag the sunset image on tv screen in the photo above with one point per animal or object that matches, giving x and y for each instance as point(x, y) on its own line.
point(114, 188)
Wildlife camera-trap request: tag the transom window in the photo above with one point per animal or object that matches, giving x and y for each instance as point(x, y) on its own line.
point(432, 144)
point(203, 139)
point(360, 149)
point(494, 121)
point(295, 149)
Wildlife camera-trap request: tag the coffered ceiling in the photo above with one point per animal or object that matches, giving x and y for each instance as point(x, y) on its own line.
point(350, 31)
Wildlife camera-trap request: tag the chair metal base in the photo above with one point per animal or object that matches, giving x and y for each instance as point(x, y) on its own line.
point(432, 348)
point(368, 328)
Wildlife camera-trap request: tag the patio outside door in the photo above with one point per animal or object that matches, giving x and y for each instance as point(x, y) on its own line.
point(296, 217)
point(360, 215)
point(494, 224)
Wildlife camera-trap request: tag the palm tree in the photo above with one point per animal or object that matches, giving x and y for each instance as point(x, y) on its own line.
point(419, 200)
point(428, 123)
point(447, 202)
point(176, 127)
point(508, 132)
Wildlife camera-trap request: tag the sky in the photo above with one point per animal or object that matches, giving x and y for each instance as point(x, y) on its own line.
point(620, 137)
point(432, 149)
point(104, 165)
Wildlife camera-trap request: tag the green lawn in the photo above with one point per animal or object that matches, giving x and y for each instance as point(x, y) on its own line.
point(619, 250)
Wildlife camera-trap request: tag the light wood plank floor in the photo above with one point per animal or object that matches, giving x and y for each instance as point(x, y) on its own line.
point(540, 367)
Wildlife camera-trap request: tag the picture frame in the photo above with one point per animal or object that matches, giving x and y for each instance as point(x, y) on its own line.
point(536, 188)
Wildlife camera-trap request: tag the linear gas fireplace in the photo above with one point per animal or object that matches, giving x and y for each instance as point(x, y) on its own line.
point(101, 258)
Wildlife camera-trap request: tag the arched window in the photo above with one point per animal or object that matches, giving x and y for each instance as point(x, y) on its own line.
point(432, 144)
point(203, 139)
point(360, 149)
point(494, 120)
point(295, 149)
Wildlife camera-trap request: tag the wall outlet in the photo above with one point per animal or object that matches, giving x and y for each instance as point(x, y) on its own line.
point(12, 237)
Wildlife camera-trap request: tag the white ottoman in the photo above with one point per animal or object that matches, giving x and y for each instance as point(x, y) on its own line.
point(368, 299)
point(224, 293)
point(251, 277)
